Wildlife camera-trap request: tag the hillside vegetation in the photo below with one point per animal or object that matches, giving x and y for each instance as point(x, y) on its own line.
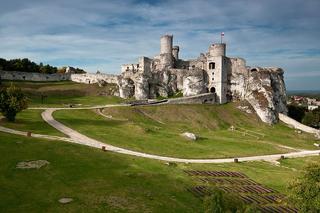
point(157, 129)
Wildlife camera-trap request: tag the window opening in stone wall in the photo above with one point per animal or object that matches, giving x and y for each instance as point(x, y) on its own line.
point(212, 66)
point(212, 90)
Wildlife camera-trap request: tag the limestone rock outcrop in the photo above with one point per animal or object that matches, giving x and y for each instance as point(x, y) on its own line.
point(189, 136)
point(194, 83)
point(263, 88)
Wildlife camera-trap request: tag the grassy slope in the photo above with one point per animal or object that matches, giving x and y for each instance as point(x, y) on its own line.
point(30, 121)
point(108, 182)
point(60, 94)
point(211, 123)
point(98, 181)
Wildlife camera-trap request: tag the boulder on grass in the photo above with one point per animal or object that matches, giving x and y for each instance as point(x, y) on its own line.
point(189, 136)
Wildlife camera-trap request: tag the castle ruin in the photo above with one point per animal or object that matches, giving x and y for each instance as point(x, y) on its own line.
point(212, 72)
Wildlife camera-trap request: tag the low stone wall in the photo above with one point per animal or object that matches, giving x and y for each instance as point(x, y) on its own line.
point(30, 76)
point(297, 125)
point(209, 98)
point(89, 78)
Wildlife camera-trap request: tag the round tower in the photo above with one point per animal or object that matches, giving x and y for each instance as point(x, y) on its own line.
point(218, 49)
point(166, 44)
point(175, 52)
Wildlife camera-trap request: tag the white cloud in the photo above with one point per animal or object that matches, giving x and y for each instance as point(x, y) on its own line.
point(102, 35)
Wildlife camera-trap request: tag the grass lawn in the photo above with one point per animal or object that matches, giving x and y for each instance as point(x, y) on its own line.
point(61, 94)
point(275, 177)
point(108, 182)
point(157, 129)
point(97, 181)
point(31, 121)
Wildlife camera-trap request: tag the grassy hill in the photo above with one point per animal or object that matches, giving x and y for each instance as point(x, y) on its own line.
point(157, 129)
point(108, 182)
point(62, 94)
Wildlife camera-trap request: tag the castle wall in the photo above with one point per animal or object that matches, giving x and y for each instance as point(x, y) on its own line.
point(89, 78)
point(175, 52)
point(130, 67)
point(28, 76)
point(297, 125)
point(208, 98)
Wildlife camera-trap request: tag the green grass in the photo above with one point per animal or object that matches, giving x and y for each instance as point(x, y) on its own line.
point(30, 121)
point(62, 94)
point(97, 181)
point(108, 182)
point(144, 132)
point(276, 177)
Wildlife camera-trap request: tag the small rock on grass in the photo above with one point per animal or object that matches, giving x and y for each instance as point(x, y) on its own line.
point(37, 164)
point(65, 200)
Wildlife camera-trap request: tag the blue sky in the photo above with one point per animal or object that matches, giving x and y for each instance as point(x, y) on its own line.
point(102, 35)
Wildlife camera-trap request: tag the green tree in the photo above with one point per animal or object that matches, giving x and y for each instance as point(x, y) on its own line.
point(312, 118)
point(305, 190)
point(12, 101)
point(296, 112)
point(220, 202)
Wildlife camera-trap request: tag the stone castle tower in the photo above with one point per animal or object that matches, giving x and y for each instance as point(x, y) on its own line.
point(216, 69)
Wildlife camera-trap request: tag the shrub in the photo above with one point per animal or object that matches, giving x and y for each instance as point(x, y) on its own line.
point(305, 190)
point(220, 202)
point(12, 101)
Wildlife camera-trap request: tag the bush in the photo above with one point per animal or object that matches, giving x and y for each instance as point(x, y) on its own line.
point(296, 112)
point(220, 202)
point(305, 190)
point(312, 118)
point(12, 101)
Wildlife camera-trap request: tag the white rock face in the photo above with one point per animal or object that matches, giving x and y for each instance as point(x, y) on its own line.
point(194, 83)
point(189, 136)
point(141, 88)
point(126, 87)
point(264, 89)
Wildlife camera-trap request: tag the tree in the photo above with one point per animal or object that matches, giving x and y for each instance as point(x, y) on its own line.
point(220, 202)
point(296, 112)
point(312, 118)
point(12, 101)
point(305, 190)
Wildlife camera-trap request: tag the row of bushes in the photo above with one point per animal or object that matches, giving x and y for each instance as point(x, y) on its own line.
point(25, 65)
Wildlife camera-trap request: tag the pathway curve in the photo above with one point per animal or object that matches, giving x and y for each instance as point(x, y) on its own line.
point(82, 139)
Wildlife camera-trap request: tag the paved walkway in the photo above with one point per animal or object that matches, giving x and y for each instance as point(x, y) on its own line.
point(76, 137)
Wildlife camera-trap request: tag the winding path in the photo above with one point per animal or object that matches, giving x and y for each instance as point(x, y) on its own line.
point(82, 139)
point(76, 137)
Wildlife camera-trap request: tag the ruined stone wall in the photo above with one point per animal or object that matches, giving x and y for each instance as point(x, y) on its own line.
point(89, 78)
point(206, 98)
point(28, 76)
